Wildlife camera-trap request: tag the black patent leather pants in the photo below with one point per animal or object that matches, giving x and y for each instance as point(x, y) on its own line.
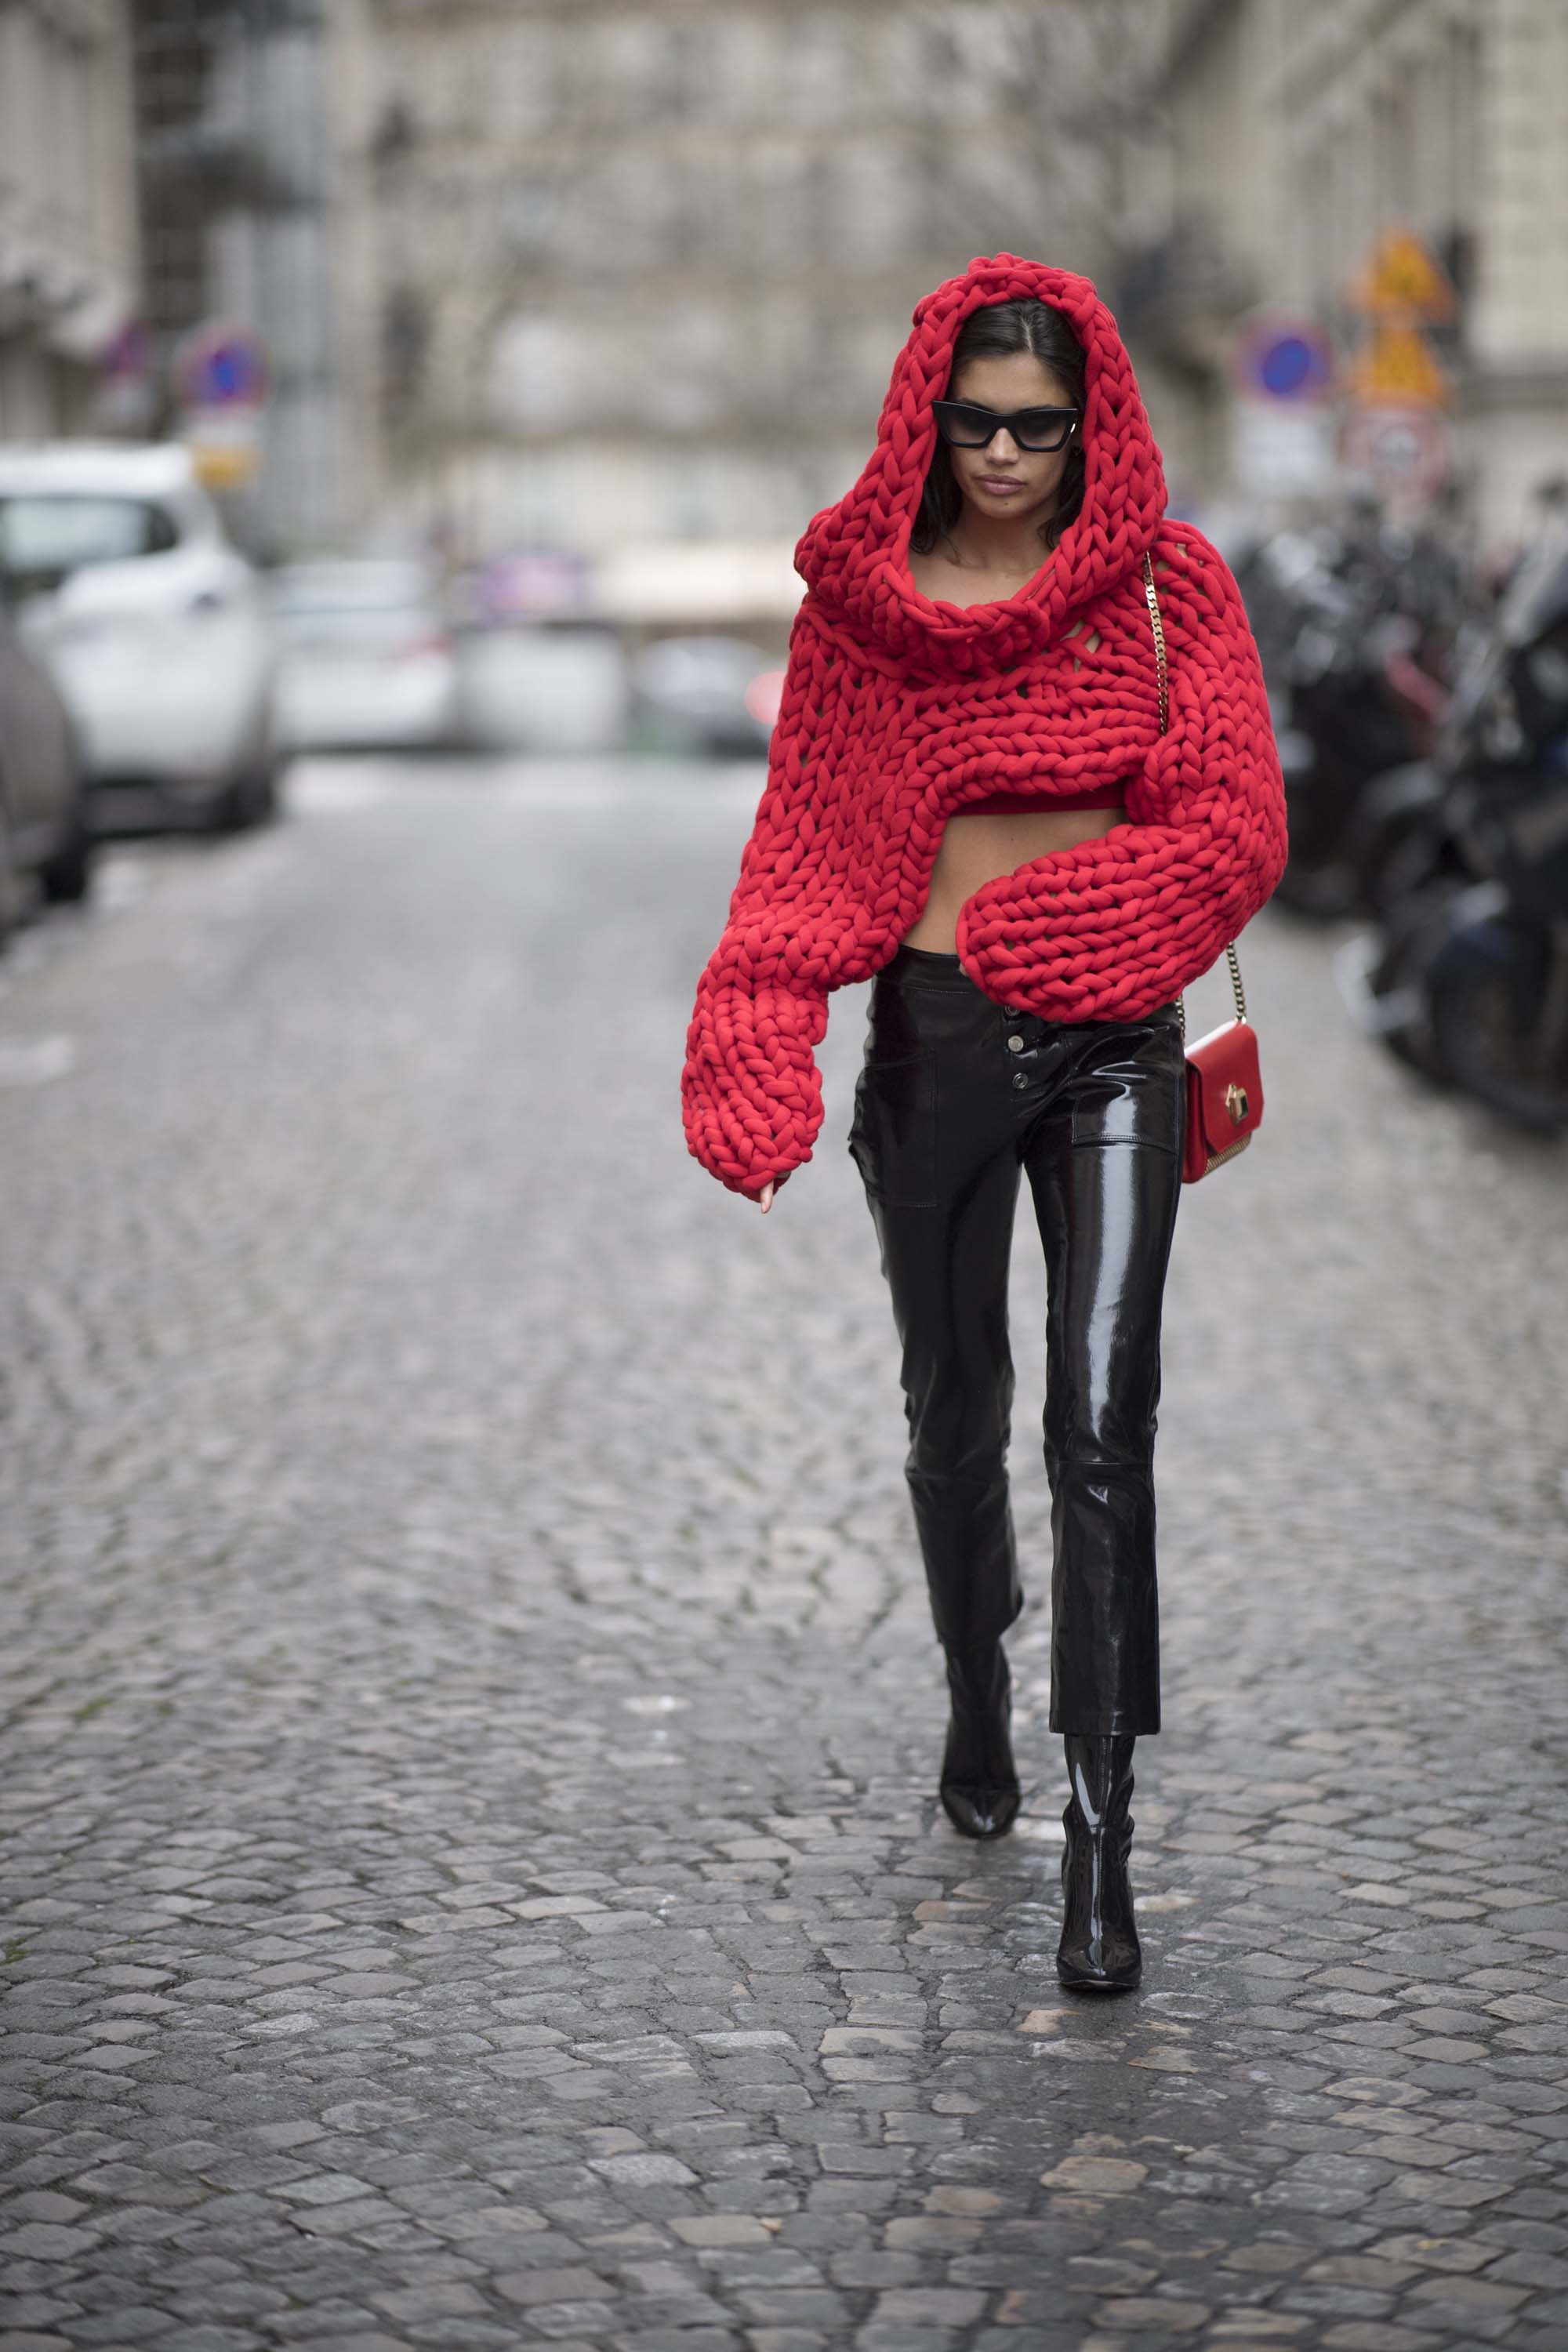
point(956, 1095)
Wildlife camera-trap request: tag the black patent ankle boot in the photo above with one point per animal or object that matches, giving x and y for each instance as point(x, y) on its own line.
point(979, 1786)
point(1099, 1950)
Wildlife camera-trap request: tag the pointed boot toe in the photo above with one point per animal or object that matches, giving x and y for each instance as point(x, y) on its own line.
point(979, 1787)
point(980, 1812)
point(1110, 1962)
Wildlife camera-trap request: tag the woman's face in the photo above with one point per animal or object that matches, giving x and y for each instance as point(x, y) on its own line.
point(1002, 479)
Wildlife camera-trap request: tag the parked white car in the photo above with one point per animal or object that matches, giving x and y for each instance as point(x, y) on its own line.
point(544, 686)
point(152, 624)
point(366, 661)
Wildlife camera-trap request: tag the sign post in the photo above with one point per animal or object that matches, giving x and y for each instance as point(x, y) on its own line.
point(1282, 442)
point(220, 380)
point(1394, 430)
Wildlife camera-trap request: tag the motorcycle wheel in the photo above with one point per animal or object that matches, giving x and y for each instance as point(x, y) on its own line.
point(1395, 808)
point(1413, 865)
point(1321, 892)
point(1403, 854)
point(1399, 970)
point(1494, 1026)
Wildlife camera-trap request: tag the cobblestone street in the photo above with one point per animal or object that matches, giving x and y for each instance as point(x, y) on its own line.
point(472, 1873)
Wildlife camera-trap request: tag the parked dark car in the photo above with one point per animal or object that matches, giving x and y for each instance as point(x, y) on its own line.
point(44, 827)
point(710, 694)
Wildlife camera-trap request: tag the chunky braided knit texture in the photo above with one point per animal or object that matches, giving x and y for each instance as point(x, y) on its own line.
point(897, 708)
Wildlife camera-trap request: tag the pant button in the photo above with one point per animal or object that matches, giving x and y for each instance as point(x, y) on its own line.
point(1014, 1044)
point(1020, 1077)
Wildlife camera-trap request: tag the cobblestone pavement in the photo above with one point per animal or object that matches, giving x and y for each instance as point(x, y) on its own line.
point(472, 1871)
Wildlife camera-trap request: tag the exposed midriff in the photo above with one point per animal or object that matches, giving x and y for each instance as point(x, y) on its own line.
point(996, 836)
point(1093, 796)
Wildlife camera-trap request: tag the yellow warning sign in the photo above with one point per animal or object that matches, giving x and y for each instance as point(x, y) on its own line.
point(225, 444)
point(1401, 280)
point(1397, 363)
point(222, 465)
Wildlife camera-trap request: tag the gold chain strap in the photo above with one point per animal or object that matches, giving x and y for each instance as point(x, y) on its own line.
point(1159, 628)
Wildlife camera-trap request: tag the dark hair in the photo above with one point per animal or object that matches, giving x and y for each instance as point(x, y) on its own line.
point(992, 332)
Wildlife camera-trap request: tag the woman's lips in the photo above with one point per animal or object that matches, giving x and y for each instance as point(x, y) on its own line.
point(1001, 483)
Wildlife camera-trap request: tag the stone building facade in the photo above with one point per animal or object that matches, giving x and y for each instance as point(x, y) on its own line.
point(68, 209)
point(239, 195)
point(639, 272)
point(1289, 138)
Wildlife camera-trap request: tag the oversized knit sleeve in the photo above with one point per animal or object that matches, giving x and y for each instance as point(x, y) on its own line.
point(1116, 925)
point(750, 1092)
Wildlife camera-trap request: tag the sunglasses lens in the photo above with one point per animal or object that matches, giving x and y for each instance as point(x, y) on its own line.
point(966, 428)
point(1041, 428)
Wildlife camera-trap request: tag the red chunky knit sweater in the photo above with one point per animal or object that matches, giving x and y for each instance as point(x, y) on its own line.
point(898, 710)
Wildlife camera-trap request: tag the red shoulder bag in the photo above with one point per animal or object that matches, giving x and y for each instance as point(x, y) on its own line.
point(1224, 1084)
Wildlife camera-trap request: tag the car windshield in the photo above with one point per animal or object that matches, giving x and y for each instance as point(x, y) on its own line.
point(44, 535)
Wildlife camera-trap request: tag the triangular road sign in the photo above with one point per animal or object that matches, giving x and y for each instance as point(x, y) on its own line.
point(1402, 280)
point(1398, 364)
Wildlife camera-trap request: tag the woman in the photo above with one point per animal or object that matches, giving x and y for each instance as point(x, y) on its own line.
point(970, 797)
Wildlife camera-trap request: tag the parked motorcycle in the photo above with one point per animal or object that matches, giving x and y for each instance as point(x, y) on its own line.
point(1354, 633)
point(1395, 832)
point(1467, 977)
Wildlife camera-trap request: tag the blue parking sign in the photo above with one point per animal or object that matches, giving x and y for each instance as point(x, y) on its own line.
point(1285, 360)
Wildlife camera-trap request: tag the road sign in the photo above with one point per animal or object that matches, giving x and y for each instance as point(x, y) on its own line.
point(1398, 367)
point(1282, 448)
point(225, 444)
point(1402, 281)
point(1408, 452)
point(1286, 360)
point(220, 366)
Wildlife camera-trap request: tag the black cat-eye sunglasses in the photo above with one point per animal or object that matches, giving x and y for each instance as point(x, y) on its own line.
point(969, 426)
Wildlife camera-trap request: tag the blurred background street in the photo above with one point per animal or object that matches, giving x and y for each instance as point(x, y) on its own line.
point(470, 1866)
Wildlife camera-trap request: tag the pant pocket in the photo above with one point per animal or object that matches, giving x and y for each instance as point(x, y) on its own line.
point(892, 1136)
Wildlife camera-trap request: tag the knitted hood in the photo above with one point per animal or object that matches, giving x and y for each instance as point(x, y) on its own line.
point(853, 555)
